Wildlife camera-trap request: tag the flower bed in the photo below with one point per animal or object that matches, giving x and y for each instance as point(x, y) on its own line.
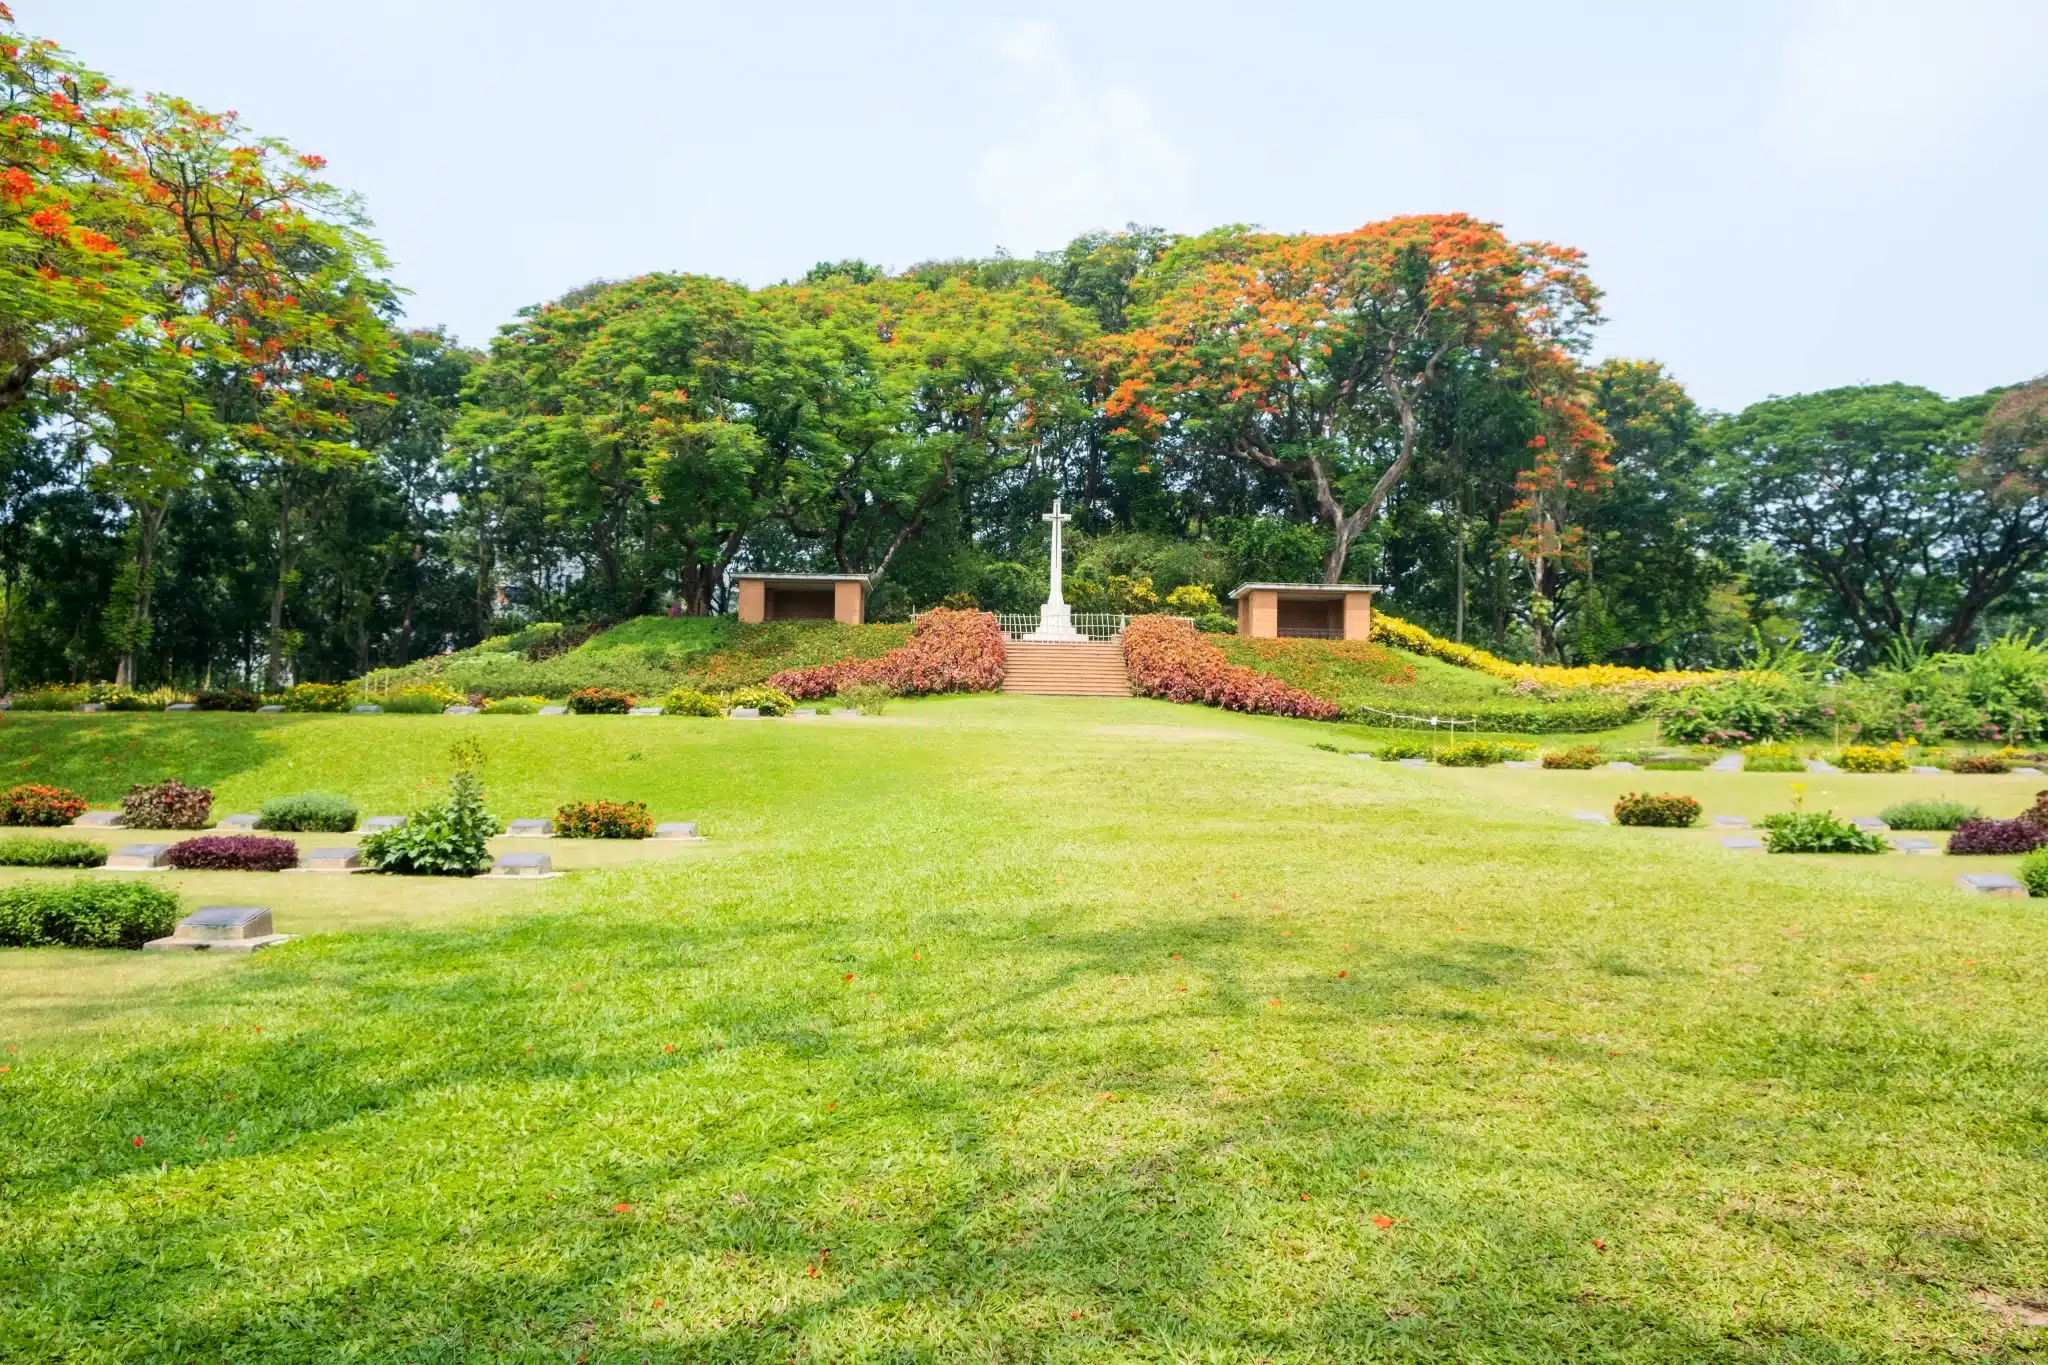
point(33, 804)
point(948, 651)
point(604, 820)
point(600, 701)
point(1169, 659)
point(233, 853)
point(169, 804)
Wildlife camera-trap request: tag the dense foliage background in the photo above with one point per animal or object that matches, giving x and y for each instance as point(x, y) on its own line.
point(223, 460)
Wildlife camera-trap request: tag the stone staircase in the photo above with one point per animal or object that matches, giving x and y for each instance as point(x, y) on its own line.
point(1069, 670)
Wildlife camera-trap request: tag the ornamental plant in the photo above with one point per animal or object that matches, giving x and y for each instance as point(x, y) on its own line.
point(1480, 753)
point(1980, 763)
point(604, 820)
point(1393, 751)
point(948, 651)
point(513, 706)
point(233, 853)
point(422, 701)
point(51, 853)
point(34, 804)
point(450, 839)
point(2033, 872)
point(48, 699)
point(308, 813)
point(228, 699)
point(768, 701)
point(1929, 814)
point(600, 701)
point(688, 701)
point(1997, 837)
point(319, 697)
point(865, 698)
point(1802, 831)
point(170, 804)
point(1771, 758)
point(89, 913)
point(1667, 811)
point(1167, 658)
point(1868, 758)
point(1579, 756)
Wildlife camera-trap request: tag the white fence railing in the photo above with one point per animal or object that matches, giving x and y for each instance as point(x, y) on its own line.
point(1096, 625)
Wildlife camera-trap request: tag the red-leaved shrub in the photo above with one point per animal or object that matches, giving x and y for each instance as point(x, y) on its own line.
point(604, 820)
point(948, 651)
point(33, 804)
point(170, 804)
point(1997, 836)
point(1169, 659)
point(233, 853)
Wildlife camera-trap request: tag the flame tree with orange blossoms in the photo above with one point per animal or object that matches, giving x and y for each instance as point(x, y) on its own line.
point(1309, 357)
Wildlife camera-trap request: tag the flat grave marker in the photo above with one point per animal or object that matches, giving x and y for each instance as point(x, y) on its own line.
point(1731, 822)
point(804, 713)
point(97, 819)
point(271, 710)
point(240, 821)
point(1727, 763)
point(460, 710)
point(181, 706)
point(1991, 884)
point(138, 858)
point(1517, 763)
point(383, 822)
point(554, 711)
point(366, 709)
point(533, 865)
point(1591, 817)
point(222, 929)
point(1871, 823)
point(1915, 846)
point(677, 829)
point(1621, 766)
point(643, 710)
point(1814, 765)
point(1415, 763)
point(1924, 770)
point(2026, 772)
point(744, 713)
point(530, 829)
point(334, 858)
point(1744, 845)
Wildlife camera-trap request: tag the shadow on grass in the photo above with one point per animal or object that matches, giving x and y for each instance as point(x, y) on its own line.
point(101, 755)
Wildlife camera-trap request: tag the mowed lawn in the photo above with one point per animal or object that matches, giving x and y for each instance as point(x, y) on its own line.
point(1025, 1029)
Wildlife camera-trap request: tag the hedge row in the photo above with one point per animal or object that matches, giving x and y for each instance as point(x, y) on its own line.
point(948, 651)
point(85, 914)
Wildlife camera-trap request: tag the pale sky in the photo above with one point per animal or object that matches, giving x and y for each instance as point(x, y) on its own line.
point(1777, 197)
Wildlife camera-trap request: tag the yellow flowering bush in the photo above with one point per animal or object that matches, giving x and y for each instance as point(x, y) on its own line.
point(1416, 640)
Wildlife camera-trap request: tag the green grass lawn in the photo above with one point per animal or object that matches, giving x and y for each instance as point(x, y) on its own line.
point(1028, 1029)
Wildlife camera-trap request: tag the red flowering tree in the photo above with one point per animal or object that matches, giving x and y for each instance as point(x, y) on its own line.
point(1310, 356)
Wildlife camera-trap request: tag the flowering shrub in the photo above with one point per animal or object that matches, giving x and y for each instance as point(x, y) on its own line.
point(169, 804)
point(767, 700)
point(948, 651)
point(688, 701)
point(1169, 659)
point(604, 820)
point(422, 701)
point(1771, 758)
point(319, 697)
point(1865, 758)
point(32, 804)
point(1980, 763)
point(1480, 753)
point(233, 853)
point(228, 699)
point(600, 701)
point(1671, 811)
point(123, 699)
point(86, 914)
point(1578, 756)
point(1395, 750)
point(1416, 640)
point(1998, 836)
point(514, 706)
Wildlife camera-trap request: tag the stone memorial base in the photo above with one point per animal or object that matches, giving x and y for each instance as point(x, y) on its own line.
point(526, 866)
point(677, 829)
point(383, 822)
point(1727, 763)
point(1731, 822)
point(181, 706)
point(530, 829)
point(1591, 817)
point(97, 819)
point(553, 711)
point(744, 713)
point(1871, 823)
point(1056, 626)
point(1744, 845)
point(366, 709)
point(138, 858)
point(643, 710)
point(221, 929)
point(1991, 884)
point(1919, 847)
point(460, 710)
point(272, 710)
point(338, 858)
point(239, 821)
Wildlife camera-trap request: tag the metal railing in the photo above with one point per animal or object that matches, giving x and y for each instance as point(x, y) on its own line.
point(1096, 625)
point(1310, 633)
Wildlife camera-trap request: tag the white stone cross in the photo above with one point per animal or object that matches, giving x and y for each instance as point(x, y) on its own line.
point(1058, 519)
point(1056, 618)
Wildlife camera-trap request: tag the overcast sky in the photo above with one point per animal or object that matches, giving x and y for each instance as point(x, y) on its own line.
point(1777, 197)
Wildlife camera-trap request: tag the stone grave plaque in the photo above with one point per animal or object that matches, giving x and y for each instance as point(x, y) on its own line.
point(1923, 769)
point(1591, 817)
point(804, 712)
point(222, 928)
point(1814, 765)
point(239, 821)
point(460, 710)
point(1727, 763)
point(366, 709)
point(677, 829)
point(380, 822)
point(745, 713)
point(335, 858)
point(1621, 766)
point(1744, 845)
point(1871, 823)
point(1731, 822)
point(530, 829)
point(138, 858)
point(1921, 846)
point(92, 706)
point(1991, 884)
point(181, 706)
point(2026, 772)
point(1517, 763)
point(1415, 763)
point(643, 710)
point(270, 710)
point(523, 865)
point(554, 711)
point(98, 819)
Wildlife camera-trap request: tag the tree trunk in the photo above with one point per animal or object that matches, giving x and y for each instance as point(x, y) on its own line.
point(148, 522)
point(273, 663)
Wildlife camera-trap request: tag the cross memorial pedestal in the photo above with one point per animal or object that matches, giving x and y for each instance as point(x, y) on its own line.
point(1056, 618)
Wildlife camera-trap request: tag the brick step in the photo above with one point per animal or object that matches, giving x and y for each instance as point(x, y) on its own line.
point(1071, 670)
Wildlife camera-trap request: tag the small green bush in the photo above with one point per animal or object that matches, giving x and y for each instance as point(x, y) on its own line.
point(604, 820)
point(1480, 753)
point(1771, 758)
point(228, 699)
point(447, 840)
point(1668, 811)
point(308, 813)
point(600, 701)
point(2034, 872)
point(48, 699)
point(51, 853)
point(688, 701)
point(89, 913)
point(512, 706)
point(867, 698)
point(319, 697)
point(1928, 814)
point(420, 701)
point(1817, 832)
point(1216, 623)
point(767, 700)
point(1579, 757)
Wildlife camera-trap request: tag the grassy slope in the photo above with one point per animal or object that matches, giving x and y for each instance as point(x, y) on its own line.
point(651, 654)
point(937, 1091)
point(1353, 672)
